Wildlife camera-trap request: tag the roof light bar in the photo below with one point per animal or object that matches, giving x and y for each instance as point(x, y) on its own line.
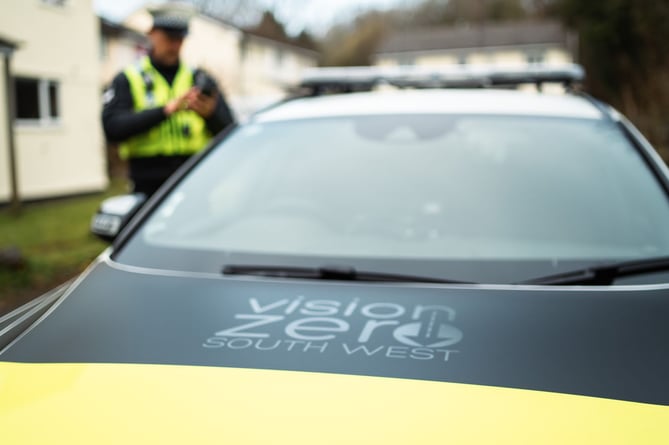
point(456, 76)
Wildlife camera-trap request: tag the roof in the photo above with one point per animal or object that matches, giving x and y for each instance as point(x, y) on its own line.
point(283, 44)
point(110, 28)
point(481, 36)
point(476, 101)
point(8, 45)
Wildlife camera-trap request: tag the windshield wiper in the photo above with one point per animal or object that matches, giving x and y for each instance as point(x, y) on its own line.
point(604, 275)
point(337, 273)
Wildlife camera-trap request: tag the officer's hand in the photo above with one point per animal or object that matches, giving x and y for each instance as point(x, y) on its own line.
point(177, 104)
point(200, 103)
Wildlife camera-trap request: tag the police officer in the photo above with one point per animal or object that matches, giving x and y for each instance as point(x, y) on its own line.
point(159, 110)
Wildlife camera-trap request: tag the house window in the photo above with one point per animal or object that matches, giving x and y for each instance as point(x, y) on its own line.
point(405, 60)
point(55, 2)
point(535, 58)
point(104, 48)
point(37, 100)
point(278, 57)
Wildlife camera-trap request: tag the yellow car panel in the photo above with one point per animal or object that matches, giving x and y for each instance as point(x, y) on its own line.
point(105, 403)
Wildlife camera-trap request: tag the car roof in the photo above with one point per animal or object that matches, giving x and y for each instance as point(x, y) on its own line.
point(434, 101)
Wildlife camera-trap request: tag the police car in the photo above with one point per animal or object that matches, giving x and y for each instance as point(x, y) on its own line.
point(413, 263)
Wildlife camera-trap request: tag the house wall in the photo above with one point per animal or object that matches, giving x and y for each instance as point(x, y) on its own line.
point(214, 47)
point(437, 59)
point(260, 65)
point(268, 69)
point(116, 54)
point(556, 56)
point(61, 43)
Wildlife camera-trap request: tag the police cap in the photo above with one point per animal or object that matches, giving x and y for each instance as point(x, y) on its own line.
point(172, 17)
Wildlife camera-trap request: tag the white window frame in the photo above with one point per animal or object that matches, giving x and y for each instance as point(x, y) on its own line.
point(43, 104)
point(406, 60)
point(535, 58)
point(279, 57)
point(56, 3)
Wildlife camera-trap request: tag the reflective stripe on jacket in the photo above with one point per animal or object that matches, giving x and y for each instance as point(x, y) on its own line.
point(183, 133)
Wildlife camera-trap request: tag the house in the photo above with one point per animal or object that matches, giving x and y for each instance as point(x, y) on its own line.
point(8, 155)
point(268, 68)
point(509, 43)
point(54, 77)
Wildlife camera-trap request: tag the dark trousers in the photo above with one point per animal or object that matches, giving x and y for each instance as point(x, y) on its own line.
point(148, 174)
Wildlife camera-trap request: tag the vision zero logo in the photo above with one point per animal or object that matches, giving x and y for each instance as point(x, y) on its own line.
point(419, 332)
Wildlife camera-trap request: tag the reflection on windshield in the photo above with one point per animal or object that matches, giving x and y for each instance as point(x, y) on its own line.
point(429, 187)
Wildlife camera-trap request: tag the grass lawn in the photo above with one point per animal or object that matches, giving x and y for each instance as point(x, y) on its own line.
point(55, 243)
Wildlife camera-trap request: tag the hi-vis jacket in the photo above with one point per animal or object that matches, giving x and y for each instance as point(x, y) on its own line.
point(182, 133)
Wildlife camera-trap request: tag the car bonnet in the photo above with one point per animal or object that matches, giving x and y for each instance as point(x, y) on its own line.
point(134, 355)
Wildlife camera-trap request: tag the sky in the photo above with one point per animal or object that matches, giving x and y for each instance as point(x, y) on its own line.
point(313, 15)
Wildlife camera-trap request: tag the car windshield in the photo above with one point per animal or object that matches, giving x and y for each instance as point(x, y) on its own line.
point(463, 197)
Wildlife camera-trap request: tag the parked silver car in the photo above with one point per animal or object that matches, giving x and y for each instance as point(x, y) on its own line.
point(411, 266)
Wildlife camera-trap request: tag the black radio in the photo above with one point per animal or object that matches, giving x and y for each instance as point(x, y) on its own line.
point(205, 84)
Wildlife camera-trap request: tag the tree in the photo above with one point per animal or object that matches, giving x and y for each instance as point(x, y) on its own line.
point(270, 27)
point(251, 15)
point(624, 46)
point(354, 44)
point(306, 40)
point(452, 12)
point(505, 10)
